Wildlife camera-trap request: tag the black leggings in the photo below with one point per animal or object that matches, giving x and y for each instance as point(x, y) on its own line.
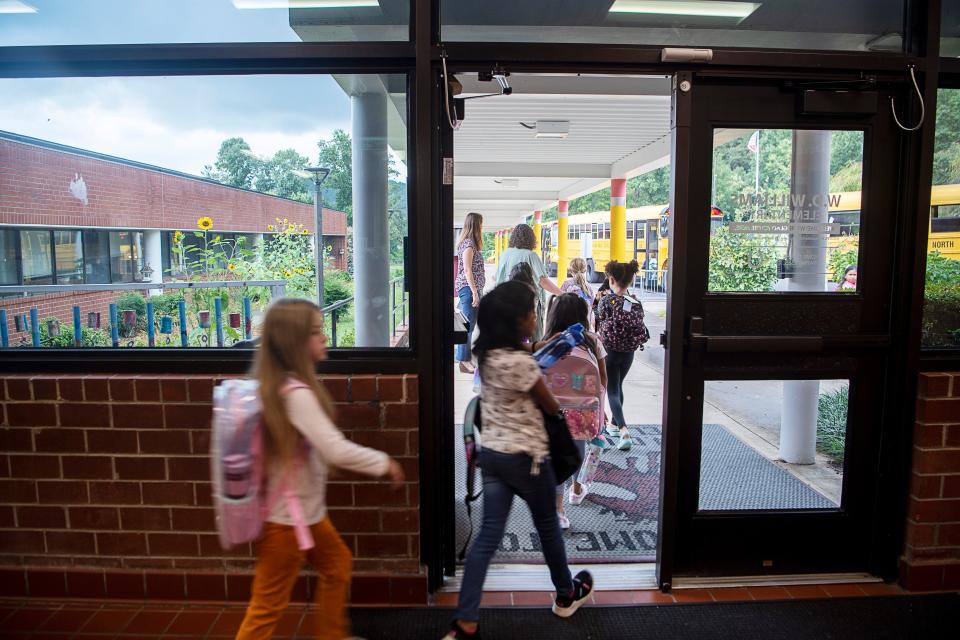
point(618, 364)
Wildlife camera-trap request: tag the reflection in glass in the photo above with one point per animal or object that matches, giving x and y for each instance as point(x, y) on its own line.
point(96, 256)
point(790, 205)
point(8, 256)
point(772, 444)
point(37, 257)
point(69, 252)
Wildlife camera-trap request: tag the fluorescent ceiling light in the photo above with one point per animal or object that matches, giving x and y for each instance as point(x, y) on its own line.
point(686, 8)
point(553, 128)
point(303, 4)
point(15, 6)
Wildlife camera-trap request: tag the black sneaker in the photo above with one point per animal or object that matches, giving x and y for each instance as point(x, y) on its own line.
point(566, 606)
point(457, 633)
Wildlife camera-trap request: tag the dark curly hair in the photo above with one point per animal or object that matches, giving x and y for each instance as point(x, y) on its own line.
point(622, 273)
point(522, 237)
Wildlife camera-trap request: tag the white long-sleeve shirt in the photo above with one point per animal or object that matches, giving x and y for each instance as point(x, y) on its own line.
point(328, 447)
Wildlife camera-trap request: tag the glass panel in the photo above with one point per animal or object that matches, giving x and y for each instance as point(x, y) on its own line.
point(852, 25)
point(773, 444)
point(54, 22)
point(941, 307)
point(950, 29)
point(69, 252)
point(238, 172)
point(96, 256)
point(8, 257)
point(786, 213)
point(37, 258)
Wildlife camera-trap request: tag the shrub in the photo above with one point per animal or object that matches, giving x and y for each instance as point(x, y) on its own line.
point(840, 259)
point(337, 286)
point(832, 423)
point(941, 315)
point(88, 337)
point(741, 262)
point(167, 304)
point(135, 301)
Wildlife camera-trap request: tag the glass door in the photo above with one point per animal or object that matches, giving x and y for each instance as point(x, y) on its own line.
point(780, 269)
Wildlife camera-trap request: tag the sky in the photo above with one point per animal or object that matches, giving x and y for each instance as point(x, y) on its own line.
point(172, 122)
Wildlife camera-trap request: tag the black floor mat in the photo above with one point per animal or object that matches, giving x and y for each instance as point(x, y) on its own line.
point(928, 617)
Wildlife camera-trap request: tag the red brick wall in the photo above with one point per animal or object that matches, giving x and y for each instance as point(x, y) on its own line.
point(60, 305)
point(34, 189)
point(104, 490)
point(931, 558)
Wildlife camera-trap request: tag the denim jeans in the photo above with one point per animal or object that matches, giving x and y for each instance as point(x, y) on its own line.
point(470, 313)
point(618, 364)
point(506, 475)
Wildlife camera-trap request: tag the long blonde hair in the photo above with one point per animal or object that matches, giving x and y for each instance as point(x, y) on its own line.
point(473, 229)
point(283, 355)
point(578, 269)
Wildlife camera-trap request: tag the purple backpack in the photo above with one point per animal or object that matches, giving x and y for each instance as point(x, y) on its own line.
point(240, 494)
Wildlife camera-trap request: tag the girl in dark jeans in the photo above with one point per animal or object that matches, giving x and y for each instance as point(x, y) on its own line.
point(514, 454)
point(470, 280)
point(622, 331)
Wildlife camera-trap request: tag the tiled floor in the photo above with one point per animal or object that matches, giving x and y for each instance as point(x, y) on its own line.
point(96, 619)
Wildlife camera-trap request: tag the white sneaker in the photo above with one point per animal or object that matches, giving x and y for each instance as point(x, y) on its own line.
point(577, 498)
point(564, 521)
point(626, 441)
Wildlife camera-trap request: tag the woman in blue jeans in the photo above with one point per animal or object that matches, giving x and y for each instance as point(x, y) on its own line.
point(514, 455)
point(470, 280)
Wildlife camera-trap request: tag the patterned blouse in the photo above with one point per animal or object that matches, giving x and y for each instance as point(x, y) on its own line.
point(512, 421)
point(479, 276)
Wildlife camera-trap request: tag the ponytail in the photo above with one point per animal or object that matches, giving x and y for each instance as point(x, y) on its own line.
point(578, 269)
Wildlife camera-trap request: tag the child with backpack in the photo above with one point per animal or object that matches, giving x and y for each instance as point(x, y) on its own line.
point(622, 330)
point(300, 442)
point(513, 456)
point(578, 381)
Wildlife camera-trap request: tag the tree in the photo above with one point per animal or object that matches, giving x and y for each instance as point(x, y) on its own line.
point(337, 155)
point(946, 145)
point(235, 164)
point(741, 262)
point(277, 176)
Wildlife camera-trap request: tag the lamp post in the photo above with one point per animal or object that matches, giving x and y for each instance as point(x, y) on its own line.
point(319, 174)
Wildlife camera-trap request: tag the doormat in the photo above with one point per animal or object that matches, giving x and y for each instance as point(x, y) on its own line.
point(617, 522)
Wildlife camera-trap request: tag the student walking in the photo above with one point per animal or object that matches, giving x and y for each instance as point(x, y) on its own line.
point(622, 330)
point(565, 311)
point(301, 442)
point(470, 280)
point(514, 454)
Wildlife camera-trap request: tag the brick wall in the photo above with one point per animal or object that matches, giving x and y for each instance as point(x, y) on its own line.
point(931, 558)
point(35, 189)
point(104, 490)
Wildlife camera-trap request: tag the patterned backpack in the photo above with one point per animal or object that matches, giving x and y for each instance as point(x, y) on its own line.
point(575, 381)
point(620, 320)
point(240, 495)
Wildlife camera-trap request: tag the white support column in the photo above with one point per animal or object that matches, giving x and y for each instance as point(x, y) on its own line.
point(809, 193)
point(371, 251)
point(153, 256)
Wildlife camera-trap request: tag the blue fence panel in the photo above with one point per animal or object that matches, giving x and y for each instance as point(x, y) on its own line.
point(114, 329)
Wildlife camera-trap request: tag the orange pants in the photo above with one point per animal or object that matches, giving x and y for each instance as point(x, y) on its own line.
point(279, 561)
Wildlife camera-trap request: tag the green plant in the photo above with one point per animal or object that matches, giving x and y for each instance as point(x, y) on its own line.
point(88, 337)
point(832, 423)
point(167, 304)
point(134, 301)
point(840, 259)
point(941, 270)
point(741, 262)
point(337, 286)
point(941, 315)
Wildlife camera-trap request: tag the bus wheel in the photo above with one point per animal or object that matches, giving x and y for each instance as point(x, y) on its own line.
point(592, 275)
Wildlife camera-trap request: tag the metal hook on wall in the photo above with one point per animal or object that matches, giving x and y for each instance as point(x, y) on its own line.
point(893, 108)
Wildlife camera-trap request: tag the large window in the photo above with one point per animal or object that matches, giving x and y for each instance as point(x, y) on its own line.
point(941, 310)
point(8, 257)
point(115, 203)
point(51, 22)
point(851, 25)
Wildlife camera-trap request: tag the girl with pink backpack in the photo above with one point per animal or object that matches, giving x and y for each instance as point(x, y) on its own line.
point(300, 443)
point(578, 381)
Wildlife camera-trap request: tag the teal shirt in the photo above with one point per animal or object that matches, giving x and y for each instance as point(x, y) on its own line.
point(511, 258)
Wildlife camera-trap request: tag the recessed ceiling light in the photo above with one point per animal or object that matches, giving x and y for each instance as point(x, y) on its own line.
point(686, 8)
point(553, 128)
point(15, 6)
point(303, 4)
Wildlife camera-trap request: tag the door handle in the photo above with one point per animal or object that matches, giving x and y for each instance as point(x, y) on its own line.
point(785, 344)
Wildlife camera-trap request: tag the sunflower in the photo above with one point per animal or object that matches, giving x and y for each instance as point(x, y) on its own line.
point(291, 227)
point(305, 232)
point(287, 273)
point(205, 223)
point(232, 267)
point(269, 227)
point(177, 237)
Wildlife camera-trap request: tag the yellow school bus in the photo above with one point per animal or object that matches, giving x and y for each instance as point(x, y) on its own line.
point(588, 237)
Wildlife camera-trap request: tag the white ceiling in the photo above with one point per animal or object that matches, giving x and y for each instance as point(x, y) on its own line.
point(619, 127)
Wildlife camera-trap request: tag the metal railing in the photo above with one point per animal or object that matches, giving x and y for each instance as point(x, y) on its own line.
point(652, 280)
point(241, 324)
point(337, 309)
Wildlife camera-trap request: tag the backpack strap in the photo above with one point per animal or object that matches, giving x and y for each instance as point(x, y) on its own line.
point(285, 487)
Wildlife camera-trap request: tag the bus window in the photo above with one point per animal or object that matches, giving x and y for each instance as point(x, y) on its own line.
point(606, 230)
point(629, 231)
point(594, 231)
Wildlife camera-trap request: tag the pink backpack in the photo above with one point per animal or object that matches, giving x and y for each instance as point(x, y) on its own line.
point(575, 381)
point(240, 494)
